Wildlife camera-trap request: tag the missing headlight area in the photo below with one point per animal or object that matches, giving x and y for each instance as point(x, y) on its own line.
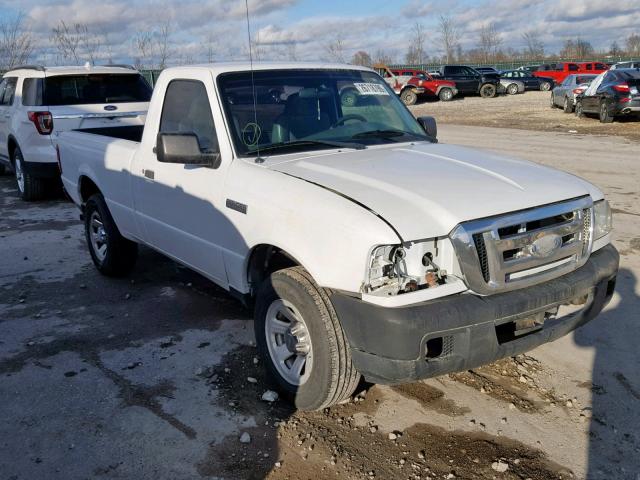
point(399, 269)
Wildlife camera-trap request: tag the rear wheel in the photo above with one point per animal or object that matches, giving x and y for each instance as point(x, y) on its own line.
point(488, 91)
point(112, 254)
point(545, 86)
point(3, 169)
point(567, 105)
point(605, 115)
point(409, 97)
point(552, 103)
point(512, 89)
point(445, 94)
point(299, 336)
point(29, 187)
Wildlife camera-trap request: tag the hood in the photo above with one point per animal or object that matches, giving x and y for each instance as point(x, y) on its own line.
point(425, 190)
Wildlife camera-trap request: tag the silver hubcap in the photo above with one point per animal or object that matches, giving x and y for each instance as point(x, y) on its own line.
point(98, 236)
point(288, 342)
point(19, 174)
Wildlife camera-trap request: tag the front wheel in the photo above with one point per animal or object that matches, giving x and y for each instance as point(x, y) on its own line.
point(29, 187)
point(545, 86)
point(578, 110)
point(409, 97)
point(446, 94)
point(567, 106)
point(488, 91)
point(300, 339)
point(112, 254)
point(605, 115)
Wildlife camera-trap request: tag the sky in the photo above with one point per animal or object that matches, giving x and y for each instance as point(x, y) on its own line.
point(302, 29)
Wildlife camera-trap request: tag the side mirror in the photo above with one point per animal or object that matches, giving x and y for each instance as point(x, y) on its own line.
point(184, 148)
point(429, 126)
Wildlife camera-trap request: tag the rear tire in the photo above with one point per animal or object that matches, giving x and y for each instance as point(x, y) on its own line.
point(445, 95)
point(112, 254)
point(512, 89)
point(605, 116)
point(409, 97)
point(567, 105)
point(3, 170)
point(552, 102)
point(295, 322)
point(488, 90)
point(29, 187)
point(545, 86)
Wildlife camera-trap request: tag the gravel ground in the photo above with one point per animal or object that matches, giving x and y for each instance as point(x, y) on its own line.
point(155, 376)
point(528, 111)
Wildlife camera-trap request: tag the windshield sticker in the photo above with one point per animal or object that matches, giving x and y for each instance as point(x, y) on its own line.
point(371, 89)
point(251, 134)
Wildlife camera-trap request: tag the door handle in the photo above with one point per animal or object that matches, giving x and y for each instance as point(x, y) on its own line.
point(150, 174)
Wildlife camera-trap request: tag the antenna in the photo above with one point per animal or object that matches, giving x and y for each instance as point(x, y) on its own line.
point(253, 89)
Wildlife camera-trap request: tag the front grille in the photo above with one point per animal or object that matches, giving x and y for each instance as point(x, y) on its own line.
point(523, 248)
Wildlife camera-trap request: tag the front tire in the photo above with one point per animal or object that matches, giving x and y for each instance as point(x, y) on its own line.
point(578, 110)
point(29, 187)
point(445, 95)
point(112, 254)
point(545, 86)
point(409, 97)
point(567, 106)
point(300, 339)
point(488, 91)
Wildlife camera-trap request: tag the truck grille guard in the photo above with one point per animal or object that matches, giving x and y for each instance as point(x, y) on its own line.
point(516, 250)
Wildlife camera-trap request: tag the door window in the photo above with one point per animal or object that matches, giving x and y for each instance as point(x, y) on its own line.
point(573, 67)
point(186, 109)
point(9, 91)
point(3, 86)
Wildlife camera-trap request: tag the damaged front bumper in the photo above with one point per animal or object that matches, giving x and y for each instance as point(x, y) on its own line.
point(463, 331)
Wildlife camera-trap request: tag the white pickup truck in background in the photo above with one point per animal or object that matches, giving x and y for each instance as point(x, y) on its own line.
point(37, 103)
point(366, 247)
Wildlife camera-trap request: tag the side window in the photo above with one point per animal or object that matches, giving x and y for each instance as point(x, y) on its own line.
point(9, 91)
point(32, 92)
point(589, 66)
point(186, 109)
point(573, 67)
point(3, 86)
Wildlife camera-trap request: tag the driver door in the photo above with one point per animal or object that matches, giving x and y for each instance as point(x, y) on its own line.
point(181, 206)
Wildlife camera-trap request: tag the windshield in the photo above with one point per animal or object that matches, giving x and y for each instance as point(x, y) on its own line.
point(313, 109)
point(95, 89)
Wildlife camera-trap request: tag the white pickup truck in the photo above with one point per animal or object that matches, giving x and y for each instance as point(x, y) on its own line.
point(365, 247)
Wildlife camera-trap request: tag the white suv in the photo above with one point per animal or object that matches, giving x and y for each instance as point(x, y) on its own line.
point(37, 103)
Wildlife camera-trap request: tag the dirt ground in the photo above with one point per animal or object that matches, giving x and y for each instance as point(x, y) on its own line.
point(528, 111)
point(156, 376)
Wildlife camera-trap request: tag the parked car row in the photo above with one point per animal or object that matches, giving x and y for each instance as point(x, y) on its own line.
point(613, 93)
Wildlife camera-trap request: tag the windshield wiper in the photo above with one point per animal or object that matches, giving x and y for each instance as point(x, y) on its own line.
point(310, 143)
point(386, 134)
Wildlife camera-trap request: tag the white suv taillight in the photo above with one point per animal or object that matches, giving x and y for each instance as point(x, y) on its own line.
point(43, 122)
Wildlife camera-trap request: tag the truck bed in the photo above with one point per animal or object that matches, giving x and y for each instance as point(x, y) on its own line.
point(132, 133)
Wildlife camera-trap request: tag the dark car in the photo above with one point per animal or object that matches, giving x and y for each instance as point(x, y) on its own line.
point(615, 94)
point(470, 81)
point(530, 82)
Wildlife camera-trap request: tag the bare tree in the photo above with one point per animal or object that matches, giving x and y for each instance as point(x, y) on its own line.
point(490, 42)
point(417, 42)
point(162, 44)
point(449, 36)
point(211, 42)
point(361, 58)
point(89, 42)
point(16, 42)
point(382, 57)
point(633, 44)
point(67, 41)
point(142, 44)
point(534, 48)
point(292, 51)
point(577, 49)
point(335, 50)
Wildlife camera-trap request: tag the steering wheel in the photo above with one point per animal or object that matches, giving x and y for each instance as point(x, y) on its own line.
point(346, 118)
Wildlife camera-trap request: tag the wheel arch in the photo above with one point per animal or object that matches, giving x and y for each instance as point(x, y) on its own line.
point(263, 260)
point(12, 145)
point(86, 188)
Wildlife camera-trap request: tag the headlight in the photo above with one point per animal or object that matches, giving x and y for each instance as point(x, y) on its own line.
point(602, 219)
point(396, 269)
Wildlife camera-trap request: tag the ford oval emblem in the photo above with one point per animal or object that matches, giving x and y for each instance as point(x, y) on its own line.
point(546, 246)
point(110, 108)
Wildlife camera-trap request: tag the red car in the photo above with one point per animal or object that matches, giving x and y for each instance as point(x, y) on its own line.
point(410, 84)
point(560, 71)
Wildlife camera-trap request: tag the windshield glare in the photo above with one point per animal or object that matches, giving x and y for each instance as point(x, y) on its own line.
point(307, 106)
